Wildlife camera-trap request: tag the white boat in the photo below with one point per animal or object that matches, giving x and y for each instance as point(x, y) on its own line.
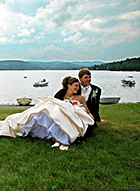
point(24, 101)
point(41, 83)
point(129, 80)
point(109, 100)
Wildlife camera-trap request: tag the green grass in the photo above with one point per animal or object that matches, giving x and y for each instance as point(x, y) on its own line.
point(108, 161)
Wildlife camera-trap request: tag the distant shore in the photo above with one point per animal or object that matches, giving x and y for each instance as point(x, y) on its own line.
point(16, 107)
point(3, 107)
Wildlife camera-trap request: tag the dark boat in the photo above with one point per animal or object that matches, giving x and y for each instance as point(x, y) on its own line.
point(109, 100)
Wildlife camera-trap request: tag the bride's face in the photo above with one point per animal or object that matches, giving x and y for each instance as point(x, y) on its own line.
point(74, 87)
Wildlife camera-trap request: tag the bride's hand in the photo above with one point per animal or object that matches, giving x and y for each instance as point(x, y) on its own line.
point(91, 115)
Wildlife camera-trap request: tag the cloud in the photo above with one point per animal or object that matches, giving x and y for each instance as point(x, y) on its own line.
point(25, 41)
point(64, 33)
point(120, 34)
point(24, 32)
point(81, 25)
point(88, 24)
point(69, 16)
point(4, 40)
point(40, 35)
point(132, 15)
point(12, 22)
point(47, 53)
point(74, 38)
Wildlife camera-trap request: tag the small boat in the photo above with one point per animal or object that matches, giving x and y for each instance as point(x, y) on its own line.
point(41, 83)
point(109, 100)
point(24, 101)
point(129, 80)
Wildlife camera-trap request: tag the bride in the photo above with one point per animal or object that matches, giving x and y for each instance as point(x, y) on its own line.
point(51, 118)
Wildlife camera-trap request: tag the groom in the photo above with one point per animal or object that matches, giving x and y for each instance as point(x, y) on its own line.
point(91, 93)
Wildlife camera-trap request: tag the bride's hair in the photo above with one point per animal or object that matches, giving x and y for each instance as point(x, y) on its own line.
point(68, 80)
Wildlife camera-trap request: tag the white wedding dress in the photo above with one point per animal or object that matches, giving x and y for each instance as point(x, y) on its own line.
point(49, 118)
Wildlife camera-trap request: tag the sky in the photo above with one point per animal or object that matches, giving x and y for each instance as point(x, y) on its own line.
point(69, 30)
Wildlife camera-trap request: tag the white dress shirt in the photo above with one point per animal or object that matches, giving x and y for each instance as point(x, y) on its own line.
point(85, 91)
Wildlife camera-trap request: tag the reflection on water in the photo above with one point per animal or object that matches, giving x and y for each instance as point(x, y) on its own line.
point(15, 84)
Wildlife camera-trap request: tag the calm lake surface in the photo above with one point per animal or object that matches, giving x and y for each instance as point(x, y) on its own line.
point(13, 84)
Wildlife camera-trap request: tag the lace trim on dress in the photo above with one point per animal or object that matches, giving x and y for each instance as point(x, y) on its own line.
point(75, 103)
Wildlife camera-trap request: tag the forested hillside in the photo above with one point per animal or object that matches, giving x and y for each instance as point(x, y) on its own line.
point(132, 64)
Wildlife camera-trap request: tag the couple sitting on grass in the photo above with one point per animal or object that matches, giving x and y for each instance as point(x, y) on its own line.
point(64, 118)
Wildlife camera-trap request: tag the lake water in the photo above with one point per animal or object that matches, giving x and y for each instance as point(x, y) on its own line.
point(13, 84)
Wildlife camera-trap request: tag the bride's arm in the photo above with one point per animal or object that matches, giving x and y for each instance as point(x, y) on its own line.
point(82, 101)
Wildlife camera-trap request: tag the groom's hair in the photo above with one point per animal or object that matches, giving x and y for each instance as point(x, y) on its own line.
point(83, 71)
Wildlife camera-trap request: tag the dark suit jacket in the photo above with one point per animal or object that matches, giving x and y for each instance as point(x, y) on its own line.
point(92, 102)
point(60, 94)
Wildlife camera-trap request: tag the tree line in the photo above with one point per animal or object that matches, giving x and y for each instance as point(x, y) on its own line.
point(130, 64)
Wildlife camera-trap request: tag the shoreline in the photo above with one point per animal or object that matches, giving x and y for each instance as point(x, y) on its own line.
point(4, 107)
point(8, 106)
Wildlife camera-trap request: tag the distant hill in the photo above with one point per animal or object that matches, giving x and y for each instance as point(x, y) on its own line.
point(51, 65)
point(130, 64)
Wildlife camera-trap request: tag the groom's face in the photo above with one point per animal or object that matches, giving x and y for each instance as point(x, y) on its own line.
point(85, 80)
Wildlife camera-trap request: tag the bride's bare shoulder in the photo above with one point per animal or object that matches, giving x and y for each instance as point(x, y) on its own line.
point(79, 97)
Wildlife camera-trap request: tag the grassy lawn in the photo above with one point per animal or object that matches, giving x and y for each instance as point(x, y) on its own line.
point(109, 160)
